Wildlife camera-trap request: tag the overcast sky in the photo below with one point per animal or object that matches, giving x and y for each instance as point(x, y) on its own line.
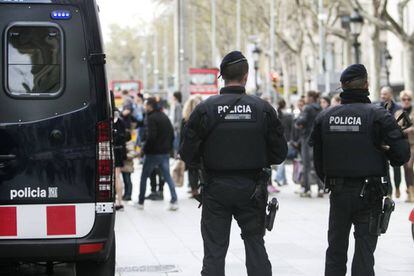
point(124, 12)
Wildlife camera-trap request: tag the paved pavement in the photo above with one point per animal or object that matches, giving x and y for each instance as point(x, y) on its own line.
point(158, 242)
point(156, 239)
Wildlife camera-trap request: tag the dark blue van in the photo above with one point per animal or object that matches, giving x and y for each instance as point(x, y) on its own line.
point(56, 160)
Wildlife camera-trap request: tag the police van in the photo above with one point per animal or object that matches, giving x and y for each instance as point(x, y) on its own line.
point(56, 160)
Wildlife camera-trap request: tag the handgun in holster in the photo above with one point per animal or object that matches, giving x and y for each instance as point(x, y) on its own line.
point(202, 185)
point(387, 208)
point(272, 208)
point(379, 221)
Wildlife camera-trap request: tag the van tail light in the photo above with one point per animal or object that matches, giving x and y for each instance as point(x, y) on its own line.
point(411, 218)
point(90, 248)
point(104, 180)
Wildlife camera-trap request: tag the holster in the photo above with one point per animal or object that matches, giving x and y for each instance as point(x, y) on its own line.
point(272, 207)
point(387, 209)
point(260, 195)
point(203, 183)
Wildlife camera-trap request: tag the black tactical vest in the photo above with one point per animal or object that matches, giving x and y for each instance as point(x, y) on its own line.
point(235, 141)
point(350, 142)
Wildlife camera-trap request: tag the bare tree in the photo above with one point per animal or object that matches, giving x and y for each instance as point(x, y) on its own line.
point(384, 20)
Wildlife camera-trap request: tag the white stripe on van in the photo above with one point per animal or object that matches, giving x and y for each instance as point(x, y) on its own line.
point(51, 221)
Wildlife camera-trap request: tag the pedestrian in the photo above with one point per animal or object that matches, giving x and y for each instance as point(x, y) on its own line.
point(297, 133)
point(157, 183)
point(193, 171)
point(387, 101)
point(128, 169)
point(139, 103)
point(271, 189)
point(305, 122)
point(406, 97)
point(233, 136)
point(336, 100)
point(157, 180)
point(286, 120)
point(176, 118)
point(157, 147)
point(119, 142)
point(127, 110)
point(349, 154)
point(325, 102)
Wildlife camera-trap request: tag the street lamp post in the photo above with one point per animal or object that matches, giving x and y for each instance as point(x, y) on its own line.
point(256, 57)
point(356, 23)
point(388, 59)
point(308, 76)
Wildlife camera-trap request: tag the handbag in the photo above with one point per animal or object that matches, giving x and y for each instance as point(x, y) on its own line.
point(178, 173)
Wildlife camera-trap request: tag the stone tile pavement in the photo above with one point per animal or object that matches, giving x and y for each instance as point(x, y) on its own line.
point(157, 242)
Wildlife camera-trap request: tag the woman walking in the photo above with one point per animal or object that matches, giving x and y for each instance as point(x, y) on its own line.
point(120, 134)
point(193, 172)
point(406, 97)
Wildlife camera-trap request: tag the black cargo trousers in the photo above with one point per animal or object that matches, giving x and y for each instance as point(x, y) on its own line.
point(347, 207)
point(226, 196)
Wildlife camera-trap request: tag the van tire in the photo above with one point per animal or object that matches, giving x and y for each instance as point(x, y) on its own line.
point(103, 268)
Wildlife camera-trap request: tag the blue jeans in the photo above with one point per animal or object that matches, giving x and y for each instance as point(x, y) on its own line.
point(281, 174)
point(150, 162)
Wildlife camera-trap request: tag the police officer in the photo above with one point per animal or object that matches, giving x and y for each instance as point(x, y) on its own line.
point(352, 143)
point(234, 136)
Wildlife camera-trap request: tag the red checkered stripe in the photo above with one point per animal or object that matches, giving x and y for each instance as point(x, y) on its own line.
point(411, 218)
point(46, 221)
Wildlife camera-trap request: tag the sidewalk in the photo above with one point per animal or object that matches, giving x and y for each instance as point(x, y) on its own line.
point(156, 241)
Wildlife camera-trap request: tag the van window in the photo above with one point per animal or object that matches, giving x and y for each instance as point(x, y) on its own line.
point(34, 60)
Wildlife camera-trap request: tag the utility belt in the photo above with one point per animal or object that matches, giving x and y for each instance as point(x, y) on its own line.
point(372, 189)
point(245, 173)
point(260, 194)
point(372, 184)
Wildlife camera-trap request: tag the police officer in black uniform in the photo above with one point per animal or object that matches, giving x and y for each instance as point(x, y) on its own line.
point(234, 136)
point(352, 143)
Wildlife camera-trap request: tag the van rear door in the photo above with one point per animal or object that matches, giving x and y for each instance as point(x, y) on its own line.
point(48, 124)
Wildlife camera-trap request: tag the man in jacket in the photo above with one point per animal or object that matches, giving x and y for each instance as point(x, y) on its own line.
point(157, 147)
point(352, 143)
point(387, 101)
point(305, 122)
point(234, 136)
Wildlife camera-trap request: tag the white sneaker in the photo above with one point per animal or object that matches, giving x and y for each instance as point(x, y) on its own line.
point(140, 206)
point(173, 206)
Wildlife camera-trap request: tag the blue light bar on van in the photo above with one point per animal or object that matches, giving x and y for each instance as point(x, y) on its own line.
point(61, 15)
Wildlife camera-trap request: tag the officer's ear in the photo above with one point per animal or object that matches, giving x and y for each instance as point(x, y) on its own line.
point(366, 85)
point(244, 80)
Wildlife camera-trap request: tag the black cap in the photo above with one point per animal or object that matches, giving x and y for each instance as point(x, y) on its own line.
point(230, 59)
point(354, 72)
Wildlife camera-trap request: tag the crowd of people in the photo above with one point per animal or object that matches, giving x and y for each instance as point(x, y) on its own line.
point(148, 130)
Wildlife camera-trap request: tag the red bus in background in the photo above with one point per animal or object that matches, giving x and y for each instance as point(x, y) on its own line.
point(203, 81)
point(117, 86)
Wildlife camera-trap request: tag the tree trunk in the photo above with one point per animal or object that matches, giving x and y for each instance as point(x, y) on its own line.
point(375, 65)
point(409, 65)
point(300, 80)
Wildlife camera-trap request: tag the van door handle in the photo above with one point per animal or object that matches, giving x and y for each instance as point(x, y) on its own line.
point(7, 157)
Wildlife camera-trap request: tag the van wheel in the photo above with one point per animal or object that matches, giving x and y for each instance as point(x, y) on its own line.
point(103, 268)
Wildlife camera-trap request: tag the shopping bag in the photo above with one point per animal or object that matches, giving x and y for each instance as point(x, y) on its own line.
point(178, 173)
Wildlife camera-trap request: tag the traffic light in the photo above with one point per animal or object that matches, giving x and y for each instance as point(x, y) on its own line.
point(275, 80)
